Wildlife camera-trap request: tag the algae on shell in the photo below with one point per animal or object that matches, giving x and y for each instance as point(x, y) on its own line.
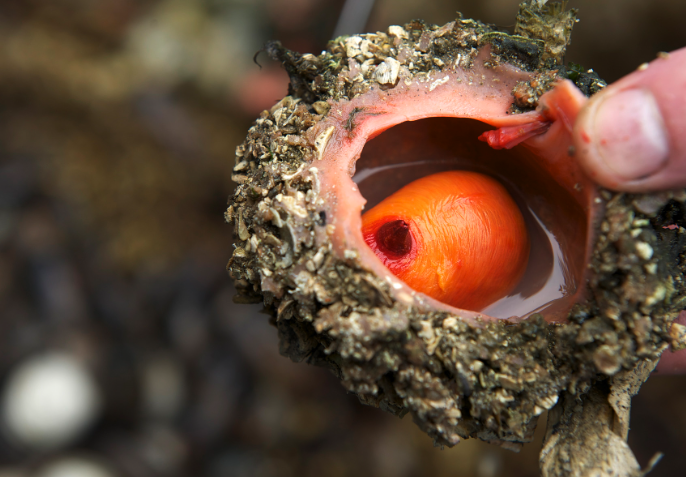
point(490, 381)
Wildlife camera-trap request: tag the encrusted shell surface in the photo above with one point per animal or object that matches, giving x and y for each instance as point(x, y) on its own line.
point(458, 377)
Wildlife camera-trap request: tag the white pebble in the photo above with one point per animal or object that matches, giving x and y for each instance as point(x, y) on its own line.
point(49, 401)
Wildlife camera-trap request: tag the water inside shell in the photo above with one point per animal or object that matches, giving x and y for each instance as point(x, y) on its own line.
point(556, 221)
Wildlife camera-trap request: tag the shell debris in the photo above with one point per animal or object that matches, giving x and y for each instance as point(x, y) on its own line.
point(322, 140)
point(678, 335)
point(387, 71)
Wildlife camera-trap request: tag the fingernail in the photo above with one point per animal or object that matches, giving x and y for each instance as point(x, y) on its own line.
point(630, 135)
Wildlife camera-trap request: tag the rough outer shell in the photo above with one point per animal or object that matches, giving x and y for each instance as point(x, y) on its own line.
point(457, 375)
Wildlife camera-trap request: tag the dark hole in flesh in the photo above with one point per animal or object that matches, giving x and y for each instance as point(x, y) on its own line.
point(556, 223)
point(394, 238)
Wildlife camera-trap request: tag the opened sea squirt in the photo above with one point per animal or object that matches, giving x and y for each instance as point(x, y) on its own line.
point(372, 113)
point(456, 236)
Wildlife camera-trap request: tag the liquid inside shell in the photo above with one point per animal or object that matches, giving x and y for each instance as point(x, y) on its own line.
point(373, 112)
point(433, 124)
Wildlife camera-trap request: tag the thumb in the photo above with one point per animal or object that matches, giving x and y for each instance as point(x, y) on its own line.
point(632, 135)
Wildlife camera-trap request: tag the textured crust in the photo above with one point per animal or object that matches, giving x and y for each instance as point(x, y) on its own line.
point(456, 380)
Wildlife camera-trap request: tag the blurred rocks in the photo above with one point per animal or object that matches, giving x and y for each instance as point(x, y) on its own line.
point(163, 387)
point(75, 467)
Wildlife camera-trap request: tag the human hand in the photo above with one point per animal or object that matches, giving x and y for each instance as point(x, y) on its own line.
point(632, 137)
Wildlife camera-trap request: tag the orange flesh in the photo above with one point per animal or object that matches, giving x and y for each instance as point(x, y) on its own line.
point(456, 236)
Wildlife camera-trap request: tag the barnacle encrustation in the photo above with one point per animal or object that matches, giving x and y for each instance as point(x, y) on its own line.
point(604, 279)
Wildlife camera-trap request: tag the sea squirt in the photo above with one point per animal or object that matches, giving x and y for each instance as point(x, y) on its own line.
point(372, 113)
point(456, 235)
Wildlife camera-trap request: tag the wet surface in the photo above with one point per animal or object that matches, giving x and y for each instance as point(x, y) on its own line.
point(417, 149)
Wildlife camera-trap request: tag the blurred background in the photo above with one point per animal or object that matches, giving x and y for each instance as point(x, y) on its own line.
point(121, 352)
